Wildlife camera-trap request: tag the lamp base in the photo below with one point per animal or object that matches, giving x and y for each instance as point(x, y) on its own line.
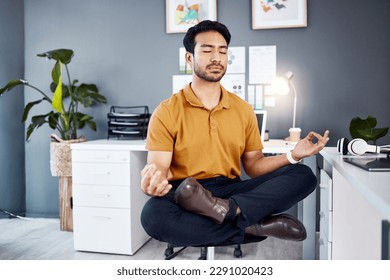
point(295, 134)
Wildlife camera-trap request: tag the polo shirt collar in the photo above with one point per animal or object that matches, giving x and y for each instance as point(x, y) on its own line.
point(194, 101)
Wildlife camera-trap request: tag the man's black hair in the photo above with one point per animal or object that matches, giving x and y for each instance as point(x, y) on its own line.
point(204, 26)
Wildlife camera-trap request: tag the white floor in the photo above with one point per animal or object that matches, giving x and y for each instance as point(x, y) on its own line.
point(41, 239)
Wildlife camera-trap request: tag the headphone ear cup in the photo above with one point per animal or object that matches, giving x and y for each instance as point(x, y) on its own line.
point(342, 146)
point(357, 147)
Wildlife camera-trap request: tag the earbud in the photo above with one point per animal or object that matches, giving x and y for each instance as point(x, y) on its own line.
point(355, 147)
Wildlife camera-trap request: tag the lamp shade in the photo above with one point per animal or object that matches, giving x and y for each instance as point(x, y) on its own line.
point(281, 86)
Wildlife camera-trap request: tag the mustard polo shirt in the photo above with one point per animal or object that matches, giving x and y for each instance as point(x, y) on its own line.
point(204, 143)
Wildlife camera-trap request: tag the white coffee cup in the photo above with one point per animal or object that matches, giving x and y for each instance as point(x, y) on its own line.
point(295, 134)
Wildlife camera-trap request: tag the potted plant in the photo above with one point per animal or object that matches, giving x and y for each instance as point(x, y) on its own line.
point(65, 117)
point(66, 100)
point(366, 129)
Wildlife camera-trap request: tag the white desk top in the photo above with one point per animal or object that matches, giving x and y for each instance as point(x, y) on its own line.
point(277, 146)
point(375, 186)
point(271, 146)
point(112, 144)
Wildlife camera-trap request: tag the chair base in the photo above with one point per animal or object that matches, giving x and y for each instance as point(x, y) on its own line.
point(206, 253)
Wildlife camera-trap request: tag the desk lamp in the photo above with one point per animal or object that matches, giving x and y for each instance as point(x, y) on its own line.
point(281, 86)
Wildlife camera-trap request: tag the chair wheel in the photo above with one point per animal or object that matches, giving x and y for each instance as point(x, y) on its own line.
point(168, 251)
point(237, 253)
point(203, 253)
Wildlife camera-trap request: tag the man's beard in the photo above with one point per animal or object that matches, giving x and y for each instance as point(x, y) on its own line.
point(207, 77)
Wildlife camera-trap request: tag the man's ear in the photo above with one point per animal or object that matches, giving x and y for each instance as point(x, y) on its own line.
point(189, 57)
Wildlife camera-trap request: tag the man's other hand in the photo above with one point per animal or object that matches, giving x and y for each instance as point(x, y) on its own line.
point(153, 182)
point(312, 144)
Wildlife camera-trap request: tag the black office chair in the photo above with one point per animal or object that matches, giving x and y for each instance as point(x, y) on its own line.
point(206, 252)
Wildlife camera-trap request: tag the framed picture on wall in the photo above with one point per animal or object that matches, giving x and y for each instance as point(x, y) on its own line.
point(268, 14)
point(183, 14)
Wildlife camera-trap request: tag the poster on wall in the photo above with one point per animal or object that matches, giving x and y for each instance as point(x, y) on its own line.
point(183, 14)
point(268, 14)
point(262, 64)
point(236, 60)
point(255, 96)
point(234, 83)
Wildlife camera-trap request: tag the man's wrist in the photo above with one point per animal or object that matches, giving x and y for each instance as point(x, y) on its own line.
point(291, 159)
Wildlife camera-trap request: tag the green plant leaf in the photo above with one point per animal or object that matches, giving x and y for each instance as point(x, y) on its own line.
point(85, 117)
point(92, 125)
point(11, 84)
point(65, 90)
point(63, 55)
point(28, 107)
point(53, 120)
point(36, 122)
point(57, 96)
point(56, 72)
point(373, 134)
point(365, 129)
point(88, 95)
point(360, 124)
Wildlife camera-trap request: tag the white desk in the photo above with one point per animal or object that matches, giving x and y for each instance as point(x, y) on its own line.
point(360, 201)
point(277, 146)
point(133, 155)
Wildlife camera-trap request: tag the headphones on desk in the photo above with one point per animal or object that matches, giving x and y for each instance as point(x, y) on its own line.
point(356, 147)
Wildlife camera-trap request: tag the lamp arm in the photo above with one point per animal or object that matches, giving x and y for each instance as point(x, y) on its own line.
point(295, 102)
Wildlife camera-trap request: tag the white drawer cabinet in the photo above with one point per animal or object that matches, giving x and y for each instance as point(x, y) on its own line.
point(326, 216)
point(103, 230)
point(101, 196)
point(113, 174)
point(107, 198)
point(354, 204)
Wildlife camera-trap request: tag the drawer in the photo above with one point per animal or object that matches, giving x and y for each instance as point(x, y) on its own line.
point(101, 196)
point(112, 174)
point(326, 222)
point(102, 230)
point(326, 192)
point(325, 249)
point(100, 156)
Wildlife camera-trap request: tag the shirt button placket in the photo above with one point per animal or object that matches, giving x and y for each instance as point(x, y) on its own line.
point(213, 123)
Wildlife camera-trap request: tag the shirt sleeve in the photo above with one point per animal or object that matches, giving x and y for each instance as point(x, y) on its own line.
point(160, 137)
point(253, 140)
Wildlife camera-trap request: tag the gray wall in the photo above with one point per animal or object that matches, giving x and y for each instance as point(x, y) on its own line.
point(12, 172)
point(340, 61)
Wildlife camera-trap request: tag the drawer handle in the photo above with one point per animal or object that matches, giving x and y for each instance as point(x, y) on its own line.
point(102, 195)
point(102, 157)
point(101, 173)
point(105, 218)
